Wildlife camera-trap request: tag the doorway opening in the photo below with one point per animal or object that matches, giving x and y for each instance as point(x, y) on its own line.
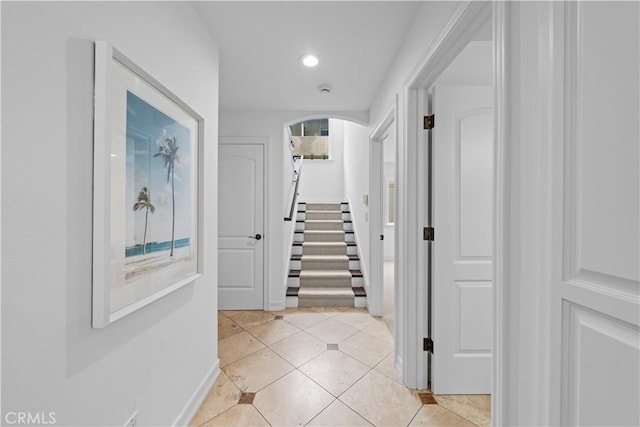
point(471, 298)
point(388, 219)
point(384, 212)
point(460, 210)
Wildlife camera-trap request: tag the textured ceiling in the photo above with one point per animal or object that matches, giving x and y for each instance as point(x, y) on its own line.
point(261, 43)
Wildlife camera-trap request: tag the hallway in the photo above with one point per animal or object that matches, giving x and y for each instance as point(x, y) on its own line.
point(319, 367)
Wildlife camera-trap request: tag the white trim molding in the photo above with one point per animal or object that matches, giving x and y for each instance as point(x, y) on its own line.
point(193, 404)
point(466, 18)
point(376, 223)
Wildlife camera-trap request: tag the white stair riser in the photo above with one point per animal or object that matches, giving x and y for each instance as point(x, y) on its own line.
point(354, 265)
point(358, 302)
point(352, 250)
point(349, 238)
point(292, 302)
point(293, 282)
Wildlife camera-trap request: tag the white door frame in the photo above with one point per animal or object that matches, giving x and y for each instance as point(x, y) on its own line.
point(376, 221)
point(454, 36)
point(268, 242)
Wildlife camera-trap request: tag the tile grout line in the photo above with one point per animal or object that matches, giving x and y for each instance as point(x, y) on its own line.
point(335, 398)
point(459, 415)
point(297, 368)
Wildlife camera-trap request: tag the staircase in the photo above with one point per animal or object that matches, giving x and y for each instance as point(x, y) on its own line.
point(324, 268)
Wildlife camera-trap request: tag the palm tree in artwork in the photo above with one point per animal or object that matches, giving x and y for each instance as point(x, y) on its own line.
point(168, 153)
point(144, 202)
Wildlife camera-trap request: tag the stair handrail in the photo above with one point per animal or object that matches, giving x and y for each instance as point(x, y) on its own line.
point(296, 160)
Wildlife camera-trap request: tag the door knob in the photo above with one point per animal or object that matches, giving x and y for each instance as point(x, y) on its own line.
point(257, 237)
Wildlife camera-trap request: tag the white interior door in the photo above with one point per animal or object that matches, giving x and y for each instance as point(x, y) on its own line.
point(595, 363)
point(462, 249)
point(241, 226)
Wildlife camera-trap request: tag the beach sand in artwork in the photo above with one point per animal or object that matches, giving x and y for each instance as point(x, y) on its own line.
point(137, 266)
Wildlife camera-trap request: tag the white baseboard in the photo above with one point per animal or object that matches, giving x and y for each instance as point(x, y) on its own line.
point(276, 306)
point(190, 409)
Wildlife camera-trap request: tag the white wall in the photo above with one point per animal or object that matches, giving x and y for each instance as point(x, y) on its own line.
point(52, 360)
point(472, 67)
point(425, 27)
point(323, 180)
point(278, 235)
point(427, 24)
point(356, 185)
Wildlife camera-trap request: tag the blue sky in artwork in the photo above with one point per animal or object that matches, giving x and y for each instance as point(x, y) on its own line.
point(147, 130)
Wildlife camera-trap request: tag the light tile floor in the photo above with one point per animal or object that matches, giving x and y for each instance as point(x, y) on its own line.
point(286, 359)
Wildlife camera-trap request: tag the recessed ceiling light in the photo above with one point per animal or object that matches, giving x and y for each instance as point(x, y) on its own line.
point(309, 60)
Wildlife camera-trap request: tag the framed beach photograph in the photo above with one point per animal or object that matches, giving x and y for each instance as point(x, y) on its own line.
point(147, 189)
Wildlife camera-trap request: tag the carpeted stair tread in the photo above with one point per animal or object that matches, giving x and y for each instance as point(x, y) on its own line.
point(325, 258)
point(323, 215)
point(324, 248)
point(325, 279)
point(324, 244)
point(323, 207)
point(323, 224)
point(325, 274)
point(324, 235)
point(328, 297)
point(296, 273)
point(324, 292)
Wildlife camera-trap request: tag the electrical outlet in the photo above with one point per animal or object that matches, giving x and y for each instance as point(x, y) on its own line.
point(132, 421)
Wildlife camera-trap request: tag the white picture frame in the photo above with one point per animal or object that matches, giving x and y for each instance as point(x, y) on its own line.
point(148, 186)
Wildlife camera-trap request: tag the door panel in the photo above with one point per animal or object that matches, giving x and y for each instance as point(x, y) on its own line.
point(241, 215)
point(474, 176)
point(462, 250)
point(474, 326)
point(596, 288)
point(592, 381)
